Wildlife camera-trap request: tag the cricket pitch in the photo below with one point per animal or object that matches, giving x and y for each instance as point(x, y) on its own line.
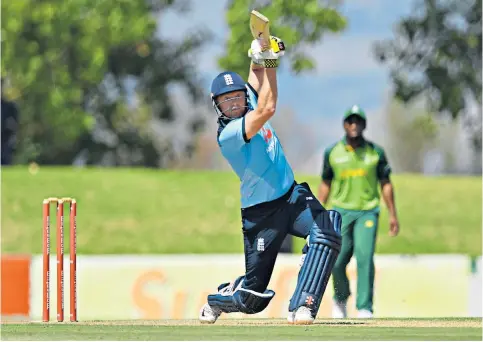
point(441, 329)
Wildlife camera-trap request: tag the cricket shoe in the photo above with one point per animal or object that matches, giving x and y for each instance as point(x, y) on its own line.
point(291, 317)
point(301, 316)
point(365, 314)
point(208, 314)
point(339, 309)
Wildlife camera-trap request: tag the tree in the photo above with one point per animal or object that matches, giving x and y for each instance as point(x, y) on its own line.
point(91, 76)
point(411, 133)
point(437, 53)
point(298, 23)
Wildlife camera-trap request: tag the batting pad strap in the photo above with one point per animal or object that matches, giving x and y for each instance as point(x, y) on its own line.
point(251, 302)
point(222, 286)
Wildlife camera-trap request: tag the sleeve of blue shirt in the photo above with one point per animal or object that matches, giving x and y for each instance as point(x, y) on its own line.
point(233, 135)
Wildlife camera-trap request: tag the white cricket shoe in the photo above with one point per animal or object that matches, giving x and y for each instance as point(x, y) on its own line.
point(208, 314)
point(303, 316)
point(291, 317)
point(339, 309)
point(364, 314)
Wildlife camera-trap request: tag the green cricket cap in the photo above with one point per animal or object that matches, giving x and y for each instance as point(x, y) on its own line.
point(355, 110)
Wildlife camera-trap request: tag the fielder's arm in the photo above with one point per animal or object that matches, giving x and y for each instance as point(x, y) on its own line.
point(387, 191)
point(383, 174)
point(255, 76)
point(327, 176)
point(324, 191)
point(267, 103)
point(388, 194)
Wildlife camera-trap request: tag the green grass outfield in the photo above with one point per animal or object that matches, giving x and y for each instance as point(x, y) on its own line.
point(450, 329)
point(143, 211)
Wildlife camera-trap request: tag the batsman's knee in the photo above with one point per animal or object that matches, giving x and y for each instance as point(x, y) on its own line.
point(234, 298)
point(324, 245)
point(327, 230)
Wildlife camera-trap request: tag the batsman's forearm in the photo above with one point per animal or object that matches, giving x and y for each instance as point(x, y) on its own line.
point(271, 90)
point(254, 120)
point(388, 195)
point(256, 75)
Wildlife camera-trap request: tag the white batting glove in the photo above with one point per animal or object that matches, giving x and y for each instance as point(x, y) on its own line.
point(267, 57)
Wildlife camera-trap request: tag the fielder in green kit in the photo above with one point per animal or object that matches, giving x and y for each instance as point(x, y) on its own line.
point(352, 171)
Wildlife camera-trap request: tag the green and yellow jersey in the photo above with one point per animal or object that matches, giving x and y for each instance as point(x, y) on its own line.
point(355, 174)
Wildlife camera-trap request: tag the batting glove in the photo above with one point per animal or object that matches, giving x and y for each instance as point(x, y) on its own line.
point(268, 57)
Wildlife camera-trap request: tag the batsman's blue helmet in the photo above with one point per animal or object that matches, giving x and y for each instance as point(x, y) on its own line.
point(226, 82)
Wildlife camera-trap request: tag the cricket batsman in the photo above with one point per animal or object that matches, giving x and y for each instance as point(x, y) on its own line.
point(351, 172)
point(273, 204)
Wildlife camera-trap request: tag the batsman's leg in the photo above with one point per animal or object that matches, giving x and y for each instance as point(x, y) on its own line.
point(249, 294)
point(234, 297)
point(324, 244)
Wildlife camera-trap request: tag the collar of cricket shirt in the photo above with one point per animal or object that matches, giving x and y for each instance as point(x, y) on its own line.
point(349, 147)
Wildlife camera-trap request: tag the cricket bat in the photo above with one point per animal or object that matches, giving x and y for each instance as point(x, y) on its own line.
point(260, 27)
